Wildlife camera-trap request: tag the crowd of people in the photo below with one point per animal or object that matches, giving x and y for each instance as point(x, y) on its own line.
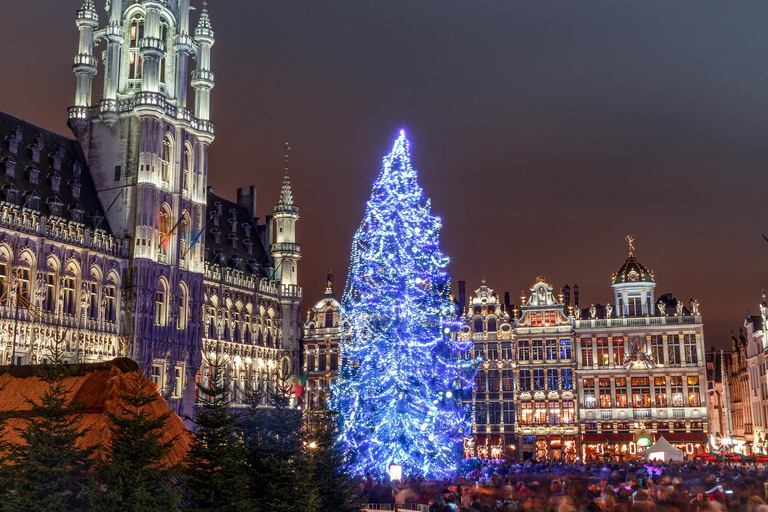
point(614, 487)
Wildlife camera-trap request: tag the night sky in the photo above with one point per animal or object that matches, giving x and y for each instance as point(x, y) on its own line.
point(544, 132)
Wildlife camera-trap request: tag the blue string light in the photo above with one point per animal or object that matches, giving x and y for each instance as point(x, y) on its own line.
point(402, 373)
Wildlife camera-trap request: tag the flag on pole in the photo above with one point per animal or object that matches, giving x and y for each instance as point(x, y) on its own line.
point(299, 381)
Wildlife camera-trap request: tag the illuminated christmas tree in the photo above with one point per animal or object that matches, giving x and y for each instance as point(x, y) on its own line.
point(401, 378)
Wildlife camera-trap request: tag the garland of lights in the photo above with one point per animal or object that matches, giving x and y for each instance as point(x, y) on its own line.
point(402, 374)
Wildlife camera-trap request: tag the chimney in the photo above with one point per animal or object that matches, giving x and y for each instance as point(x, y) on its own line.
point(567, 295)
point(576, 295)
point(462, 294)
point(507, 304)
point(247, 201)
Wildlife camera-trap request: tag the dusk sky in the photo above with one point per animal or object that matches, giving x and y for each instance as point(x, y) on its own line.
point(544, 132)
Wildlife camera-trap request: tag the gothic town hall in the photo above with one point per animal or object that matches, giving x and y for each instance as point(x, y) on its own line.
point(112, 243)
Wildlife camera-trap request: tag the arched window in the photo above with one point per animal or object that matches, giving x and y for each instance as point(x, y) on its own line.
point(51, 281)
point(68, 287)
point(181, 323)
point(134, 56)
point(478, 325)
point(165, 158)
point(93, 294)
point(164, 229)
point(236, 327)
point(110, 299)
point(329, 319)
point(492, 325)
point(161, 303)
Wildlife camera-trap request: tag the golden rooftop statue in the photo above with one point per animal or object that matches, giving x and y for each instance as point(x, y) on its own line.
point(630, 241)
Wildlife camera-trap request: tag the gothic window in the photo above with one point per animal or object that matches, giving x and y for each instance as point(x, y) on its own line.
point(109, 311)
point(164, 229)
point(134, 57)
point(178, 382)
point(165, 158)
point(93, 296)
point(49, 303)
point(68, 287)
point(181, 323)
point(161, 304)
point(329, 319)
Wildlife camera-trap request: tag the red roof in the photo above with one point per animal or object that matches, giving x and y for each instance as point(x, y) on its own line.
point(98, 388)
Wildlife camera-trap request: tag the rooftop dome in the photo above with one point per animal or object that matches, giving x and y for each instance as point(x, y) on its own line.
point(632, 271)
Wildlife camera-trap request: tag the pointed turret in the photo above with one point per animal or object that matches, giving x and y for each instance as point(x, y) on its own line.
point(286, 254)
point(202, 77)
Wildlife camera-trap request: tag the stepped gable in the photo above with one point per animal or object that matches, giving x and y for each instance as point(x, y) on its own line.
point(49, 167)
point(230, 231)
point(98, 387)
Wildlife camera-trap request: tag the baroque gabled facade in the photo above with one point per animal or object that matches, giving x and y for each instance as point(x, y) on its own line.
point(114, 242)
point(545, 398)
point(641, 369)
point(487, 322)
point(320, 347)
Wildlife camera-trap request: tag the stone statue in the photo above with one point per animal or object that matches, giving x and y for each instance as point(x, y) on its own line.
point(695, 308)
point(662, 309)
point(577, 313)
point(608, 311)
point(592, 311)
point(679, 308)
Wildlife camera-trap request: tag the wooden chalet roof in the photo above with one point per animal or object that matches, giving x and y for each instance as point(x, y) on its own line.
point(98, 388)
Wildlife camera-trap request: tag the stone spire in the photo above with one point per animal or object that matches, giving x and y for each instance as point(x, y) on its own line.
point(286, 195)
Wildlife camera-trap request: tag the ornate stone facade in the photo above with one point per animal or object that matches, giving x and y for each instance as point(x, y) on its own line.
point(115, 242)
point(641, 369)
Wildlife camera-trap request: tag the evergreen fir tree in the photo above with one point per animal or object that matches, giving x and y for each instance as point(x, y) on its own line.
point(47, 470)
point(280, 466)
point(401, 378)
point(216, 466)
point(336, 489)
point(132, 474)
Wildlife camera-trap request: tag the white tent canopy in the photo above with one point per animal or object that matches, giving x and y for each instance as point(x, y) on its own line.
point(663, 451)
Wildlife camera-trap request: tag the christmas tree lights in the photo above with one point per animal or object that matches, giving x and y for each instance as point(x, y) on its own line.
point(402, 373)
